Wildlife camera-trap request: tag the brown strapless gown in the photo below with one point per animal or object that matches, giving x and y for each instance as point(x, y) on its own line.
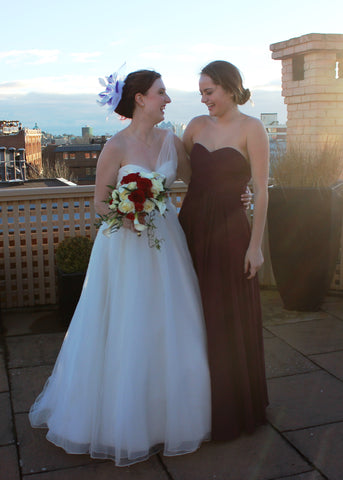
point(218, 234)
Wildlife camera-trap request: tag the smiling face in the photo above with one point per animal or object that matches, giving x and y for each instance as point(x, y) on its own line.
point(217, 100)
point(155, 100)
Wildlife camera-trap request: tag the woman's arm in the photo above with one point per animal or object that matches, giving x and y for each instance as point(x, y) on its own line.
point(106, 173)
point(183, 163)
point(258, 151)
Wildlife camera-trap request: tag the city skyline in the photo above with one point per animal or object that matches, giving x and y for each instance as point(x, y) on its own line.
point(50, 66)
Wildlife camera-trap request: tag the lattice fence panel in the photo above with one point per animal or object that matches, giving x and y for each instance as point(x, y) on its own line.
point(30, 230)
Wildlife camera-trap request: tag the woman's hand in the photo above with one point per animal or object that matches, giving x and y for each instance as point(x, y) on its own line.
point(253, 261)
point(128, 224)
point(246, 198)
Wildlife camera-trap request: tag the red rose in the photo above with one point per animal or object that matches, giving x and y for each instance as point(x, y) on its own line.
point(130, 216)
point(131, 177)
point(137, 196)
point(145, 184)
point(139, 207)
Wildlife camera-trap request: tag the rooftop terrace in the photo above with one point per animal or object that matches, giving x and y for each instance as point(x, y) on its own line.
point(302, 440)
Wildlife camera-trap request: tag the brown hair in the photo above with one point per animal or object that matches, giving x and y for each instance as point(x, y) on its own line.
point(228, 76)
point(136, 82)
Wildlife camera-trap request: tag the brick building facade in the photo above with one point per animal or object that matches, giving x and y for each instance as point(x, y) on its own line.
point(312, 87)
point(12, 136)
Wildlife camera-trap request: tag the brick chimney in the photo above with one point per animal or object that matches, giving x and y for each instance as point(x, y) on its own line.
point(312, 87)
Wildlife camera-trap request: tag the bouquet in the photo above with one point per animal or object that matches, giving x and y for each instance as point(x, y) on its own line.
point(138, 197)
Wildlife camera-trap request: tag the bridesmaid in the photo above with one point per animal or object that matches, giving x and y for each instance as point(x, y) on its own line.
point(226, 149)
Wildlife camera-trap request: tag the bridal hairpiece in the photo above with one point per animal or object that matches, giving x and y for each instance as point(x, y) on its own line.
point(111, 96)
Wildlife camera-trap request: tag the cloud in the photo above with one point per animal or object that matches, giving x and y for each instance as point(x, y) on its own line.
point(65, 84)
point(85, 57)
point(30, 57)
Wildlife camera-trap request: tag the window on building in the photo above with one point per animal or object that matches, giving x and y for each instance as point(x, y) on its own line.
point(87, 155)
point(298, 63)
point(94, 155)
point(339, 65)
point(65, 156)
point(72, 156)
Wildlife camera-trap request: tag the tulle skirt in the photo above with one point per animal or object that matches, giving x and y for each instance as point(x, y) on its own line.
point(132, 376)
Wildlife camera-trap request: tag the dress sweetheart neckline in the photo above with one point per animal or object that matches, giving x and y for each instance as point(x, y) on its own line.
point(221, 148)
point(136, 165)
point(143, 166)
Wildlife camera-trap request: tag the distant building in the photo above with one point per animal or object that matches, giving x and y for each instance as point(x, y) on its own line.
point(177, 128)
point(276, 132)
point(81, 160)
point(87, 132)
point(20, 149)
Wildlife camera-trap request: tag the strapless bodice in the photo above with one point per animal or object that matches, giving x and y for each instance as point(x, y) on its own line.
point(222, 173)
point(168, 169)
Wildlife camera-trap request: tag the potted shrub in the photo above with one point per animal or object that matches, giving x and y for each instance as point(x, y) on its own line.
point(72, 257)
point(304, 223)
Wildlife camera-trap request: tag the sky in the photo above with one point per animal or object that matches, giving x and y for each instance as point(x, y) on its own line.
point(52, 54)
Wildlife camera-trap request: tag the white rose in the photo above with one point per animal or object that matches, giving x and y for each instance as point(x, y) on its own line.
point(149, 206)
point(124, 193)
point(157, 186)
point(126, 206)
point(131, 186)
point(115, 195)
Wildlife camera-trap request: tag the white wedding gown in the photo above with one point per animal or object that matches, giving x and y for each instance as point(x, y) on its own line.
point(132, 377)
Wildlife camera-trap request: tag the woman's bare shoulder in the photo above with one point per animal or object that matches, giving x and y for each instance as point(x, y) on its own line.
point(252, 122)
point(201, 120)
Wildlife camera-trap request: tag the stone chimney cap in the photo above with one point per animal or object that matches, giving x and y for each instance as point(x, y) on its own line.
point(307, 43)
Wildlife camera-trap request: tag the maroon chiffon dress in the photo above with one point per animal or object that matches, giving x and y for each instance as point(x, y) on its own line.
point(218, 233)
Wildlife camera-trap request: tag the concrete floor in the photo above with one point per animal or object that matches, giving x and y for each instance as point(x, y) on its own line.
point(303, 439)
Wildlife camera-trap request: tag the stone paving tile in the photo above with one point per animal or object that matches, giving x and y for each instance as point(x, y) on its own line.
point(267, 334)
point(334, 307)
point(305, 400)
point(311, 337)
point(31, 350)
point(149, 470)
point(273, 312)
point(26, 385)
point(37, 454)
point(28, 322)
point(264, 455)
point(3, 376)
point(9, 463)
point(304, 476)
point(323, 446)
point(6, 426)
point(332, 362)
point(281, 359)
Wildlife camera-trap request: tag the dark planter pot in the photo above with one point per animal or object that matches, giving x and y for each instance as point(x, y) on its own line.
point(304, 226)
point(69, 291)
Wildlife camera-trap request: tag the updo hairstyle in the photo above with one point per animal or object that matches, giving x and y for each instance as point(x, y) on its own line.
point(136, 82)
point(228, 76)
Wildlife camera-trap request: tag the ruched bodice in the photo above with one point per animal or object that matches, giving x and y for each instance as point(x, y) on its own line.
point(220, 176)
point(225, 170)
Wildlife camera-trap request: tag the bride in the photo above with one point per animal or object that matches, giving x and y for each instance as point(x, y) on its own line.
point(132, 378)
